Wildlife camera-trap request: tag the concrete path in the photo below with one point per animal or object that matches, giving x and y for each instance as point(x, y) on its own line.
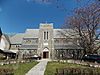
point(39, 69)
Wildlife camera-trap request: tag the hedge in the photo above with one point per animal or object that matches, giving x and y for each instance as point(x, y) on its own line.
point(77, 71)
point(6, 71)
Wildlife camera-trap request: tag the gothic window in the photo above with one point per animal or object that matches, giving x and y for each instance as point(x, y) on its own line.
point(44, 35)
point(47, 35)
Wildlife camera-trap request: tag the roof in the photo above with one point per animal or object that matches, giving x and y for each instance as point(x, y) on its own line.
point(63, 33)
point(29, 47)
point(17, 39)
point(34, 33)
point(67, 47)
point(7, 38)
point(6, 51)
point(14, 51)
point(31, 33)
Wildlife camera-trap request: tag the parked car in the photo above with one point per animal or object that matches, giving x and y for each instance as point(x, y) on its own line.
point(92, 58)
point(36, 57)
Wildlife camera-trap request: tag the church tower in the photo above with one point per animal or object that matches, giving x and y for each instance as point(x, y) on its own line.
point(46, 43)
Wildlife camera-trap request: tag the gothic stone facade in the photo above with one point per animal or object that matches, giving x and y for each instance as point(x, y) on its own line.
point(46, 42)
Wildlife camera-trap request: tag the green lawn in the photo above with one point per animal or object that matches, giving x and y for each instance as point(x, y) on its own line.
point(21, 68)
point(51, 67)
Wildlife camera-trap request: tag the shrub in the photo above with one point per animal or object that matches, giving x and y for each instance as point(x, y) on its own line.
point(6, 71)
point(77, 71)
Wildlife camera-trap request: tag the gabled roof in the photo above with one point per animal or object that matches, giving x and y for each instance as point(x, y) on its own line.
point(31, 47)
point(64, 33)
point(6, 52)
point(31, 33)
point(70, 47)
point(17, 39)
point(7, 38)
point(34, 33)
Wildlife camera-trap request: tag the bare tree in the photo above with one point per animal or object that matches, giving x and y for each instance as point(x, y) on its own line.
point(85, 22)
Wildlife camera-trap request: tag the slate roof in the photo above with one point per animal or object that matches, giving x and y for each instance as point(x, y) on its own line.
point(63, 33)
point(34, 33)
point(17, 39)
point(7, 38)
point(29, 47)
point(31, 33)
point(6, 52)
point(59, 47)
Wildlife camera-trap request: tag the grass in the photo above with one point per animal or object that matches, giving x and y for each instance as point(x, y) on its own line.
point(51, 67)
point(21, 68)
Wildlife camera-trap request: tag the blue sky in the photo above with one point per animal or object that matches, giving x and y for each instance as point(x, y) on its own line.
point(18, 15)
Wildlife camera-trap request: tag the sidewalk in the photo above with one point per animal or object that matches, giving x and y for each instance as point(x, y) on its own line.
point(39, 69)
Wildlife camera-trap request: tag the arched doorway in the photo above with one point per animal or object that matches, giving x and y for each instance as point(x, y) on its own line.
point(45, 53)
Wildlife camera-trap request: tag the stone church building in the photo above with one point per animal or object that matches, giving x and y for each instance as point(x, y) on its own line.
point(46, 42)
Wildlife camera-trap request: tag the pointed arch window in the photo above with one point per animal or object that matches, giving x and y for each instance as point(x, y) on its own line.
point(47, 35)
point(44, 35)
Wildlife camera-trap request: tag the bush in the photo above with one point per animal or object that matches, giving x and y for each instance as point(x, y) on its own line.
point(78, 71)
point(6, 71)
